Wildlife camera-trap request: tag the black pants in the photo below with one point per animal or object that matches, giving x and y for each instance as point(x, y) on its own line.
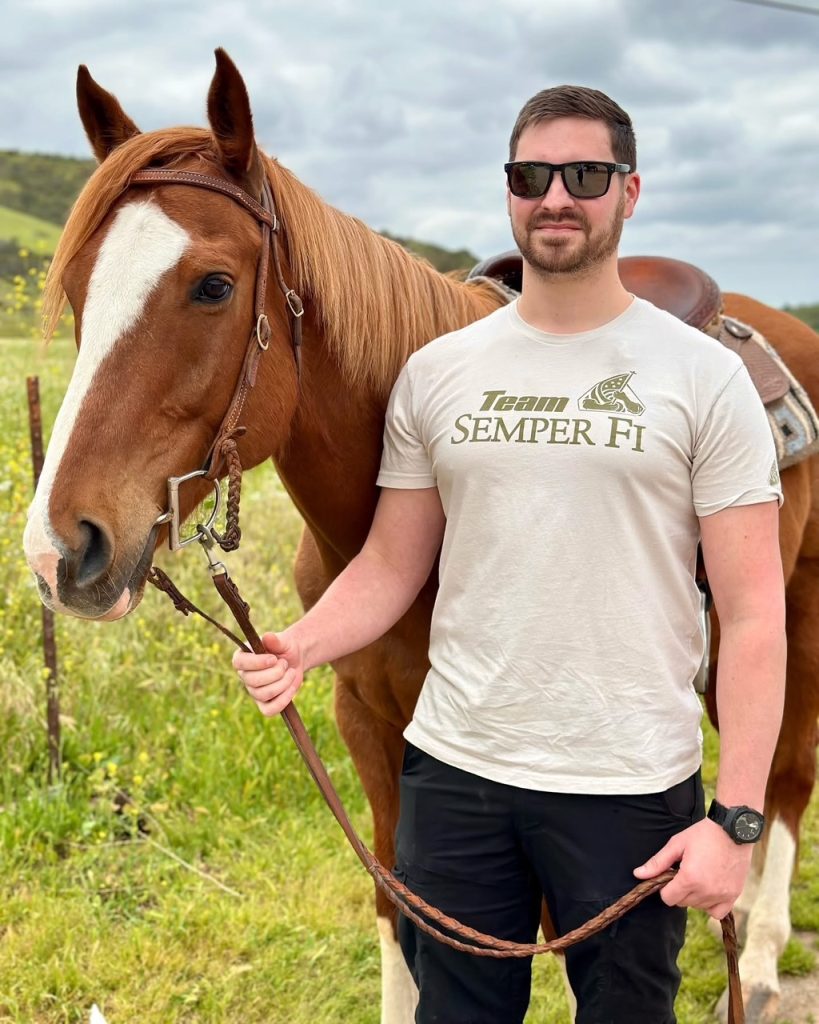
point(486, 853)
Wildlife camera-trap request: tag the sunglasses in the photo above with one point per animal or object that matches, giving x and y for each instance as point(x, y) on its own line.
point(583, 179)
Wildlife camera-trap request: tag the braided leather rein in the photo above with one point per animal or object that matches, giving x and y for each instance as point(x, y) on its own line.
point(412, 906)
point(445, 929)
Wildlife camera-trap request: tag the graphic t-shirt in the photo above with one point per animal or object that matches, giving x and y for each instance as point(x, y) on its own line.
point(572, 470)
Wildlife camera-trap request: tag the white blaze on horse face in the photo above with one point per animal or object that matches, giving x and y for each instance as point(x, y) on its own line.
point(141, 246)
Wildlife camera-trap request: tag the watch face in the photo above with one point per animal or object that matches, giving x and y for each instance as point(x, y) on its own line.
point(748, 826)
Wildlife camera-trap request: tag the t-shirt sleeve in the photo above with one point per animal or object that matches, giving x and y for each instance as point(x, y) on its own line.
point(405, 460)
point(734, 453)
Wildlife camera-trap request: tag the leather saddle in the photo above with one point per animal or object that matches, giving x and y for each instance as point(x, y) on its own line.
point(681, 289)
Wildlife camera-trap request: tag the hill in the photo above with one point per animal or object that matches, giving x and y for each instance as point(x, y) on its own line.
point(810, 314)
point(41, 185)
point(28, 231)
point(37, 191)
point(442, 259)
point(42, 189)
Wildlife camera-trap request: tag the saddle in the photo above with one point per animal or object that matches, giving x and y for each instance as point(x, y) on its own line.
point(681, 289)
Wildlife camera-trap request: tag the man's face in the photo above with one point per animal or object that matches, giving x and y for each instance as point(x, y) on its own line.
point(558, 234)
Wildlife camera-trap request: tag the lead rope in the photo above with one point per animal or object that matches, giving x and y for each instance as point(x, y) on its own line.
point(478, 944)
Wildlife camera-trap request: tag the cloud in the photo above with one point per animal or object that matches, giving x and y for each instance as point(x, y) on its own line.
point(400, 112)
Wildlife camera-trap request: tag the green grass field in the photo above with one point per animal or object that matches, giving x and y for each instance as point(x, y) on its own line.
point(29, 232)
point(223, 891)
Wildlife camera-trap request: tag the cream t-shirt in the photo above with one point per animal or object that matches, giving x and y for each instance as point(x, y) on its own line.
point(572, 470)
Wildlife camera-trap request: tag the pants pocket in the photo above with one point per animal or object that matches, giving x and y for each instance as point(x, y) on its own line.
point(685, 801)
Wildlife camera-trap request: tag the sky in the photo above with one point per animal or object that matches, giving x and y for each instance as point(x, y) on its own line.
point(399, 111)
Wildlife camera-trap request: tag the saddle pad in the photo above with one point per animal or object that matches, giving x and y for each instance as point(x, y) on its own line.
point(793, 420)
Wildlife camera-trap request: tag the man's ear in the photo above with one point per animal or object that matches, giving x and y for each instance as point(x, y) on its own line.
point(632, 193)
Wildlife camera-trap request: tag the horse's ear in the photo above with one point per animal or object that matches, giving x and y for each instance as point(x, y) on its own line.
point(106, 123)
point(231, 120)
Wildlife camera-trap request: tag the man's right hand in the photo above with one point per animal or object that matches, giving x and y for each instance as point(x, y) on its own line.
point(272, 679)
point(361, 603)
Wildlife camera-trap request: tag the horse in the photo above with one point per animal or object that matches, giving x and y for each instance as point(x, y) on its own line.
point(161, 278)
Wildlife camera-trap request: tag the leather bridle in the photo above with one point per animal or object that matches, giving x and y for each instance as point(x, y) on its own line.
point(223, 448)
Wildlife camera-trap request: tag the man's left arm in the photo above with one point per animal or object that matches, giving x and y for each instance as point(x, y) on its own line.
point(741, 551)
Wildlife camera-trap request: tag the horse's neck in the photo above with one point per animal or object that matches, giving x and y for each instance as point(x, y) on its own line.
point(331, 460)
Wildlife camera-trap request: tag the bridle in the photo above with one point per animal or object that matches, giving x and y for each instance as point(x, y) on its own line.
point(223, 449)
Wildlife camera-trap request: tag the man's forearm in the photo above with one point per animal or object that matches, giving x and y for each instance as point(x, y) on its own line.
point(358, 607)
point(750, 696)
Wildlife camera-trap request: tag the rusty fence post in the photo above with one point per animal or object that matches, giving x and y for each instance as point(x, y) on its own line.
point(35, 423)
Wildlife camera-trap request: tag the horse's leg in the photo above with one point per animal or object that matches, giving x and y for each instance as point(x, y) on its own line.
point(766, 898)
point(789, 789)
point(747, 898)
point(376, 748)
point(549, 933)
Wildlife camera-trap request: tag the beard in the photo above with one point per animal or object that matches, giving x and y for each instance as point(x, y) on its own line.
point(552, 256)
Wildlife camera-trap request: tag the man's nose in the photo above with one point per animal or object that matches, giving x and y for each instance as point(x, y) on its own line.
point(557, 197)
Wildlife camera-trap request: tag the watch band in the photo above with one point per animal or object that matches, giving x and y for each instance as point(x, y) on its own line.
point(717, 812)
point(742, 824)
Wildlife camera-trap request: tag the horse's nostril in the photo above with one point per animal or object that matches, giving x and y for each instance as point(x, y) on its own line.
point(94, 555)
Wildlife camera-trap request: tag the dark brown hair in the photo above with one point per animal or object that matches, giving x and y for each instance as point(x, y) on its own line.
point(578, 101)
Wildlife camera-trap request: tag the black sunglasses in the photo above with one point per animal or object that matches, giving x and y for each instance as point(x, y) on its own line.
point(583, 179)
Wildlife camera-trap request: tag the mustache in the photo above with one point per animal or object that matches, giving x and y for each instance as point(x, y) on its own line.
point(542, 218)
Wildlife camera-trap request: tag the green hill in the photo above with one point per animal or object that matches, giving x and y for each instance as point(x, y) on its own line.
point(41, 185)
point(27, 231)
point(810, 314)
point(442, 259)
point(40, 189)
point(37, 191)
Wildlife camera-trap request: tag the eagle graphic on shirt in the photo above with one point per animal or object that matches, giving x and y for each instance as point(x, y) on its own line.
point(612, 395)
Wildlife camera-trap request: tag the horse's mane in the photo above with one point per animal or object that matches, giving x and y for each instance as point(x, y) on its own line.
point(376, 302)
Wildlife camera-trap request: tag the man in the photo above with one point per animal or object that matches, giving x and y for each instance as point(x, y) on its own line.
point(568, 451)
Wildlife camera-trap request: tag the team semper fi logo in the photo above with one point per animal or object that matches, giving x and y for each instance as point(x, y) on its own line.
point(612, 395)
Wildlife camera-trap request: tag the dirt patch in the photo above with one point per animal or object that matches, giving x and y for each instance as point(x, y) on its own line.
point(800, 1000)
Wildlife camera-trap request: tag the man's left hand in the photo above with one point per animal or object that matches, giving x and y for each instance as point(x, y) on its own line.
point(712, 869)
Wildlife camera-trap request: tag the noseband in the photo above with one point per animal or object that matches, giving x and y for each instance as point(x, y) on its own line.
point(223, 448)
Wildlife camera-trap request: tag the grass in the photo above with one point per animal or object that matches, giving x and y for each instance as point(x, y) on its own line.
point(92, 906)
point(28, 231)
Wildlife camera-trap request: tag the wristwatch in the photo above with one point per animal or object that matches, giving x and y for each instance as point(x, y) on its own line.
point(743, 824)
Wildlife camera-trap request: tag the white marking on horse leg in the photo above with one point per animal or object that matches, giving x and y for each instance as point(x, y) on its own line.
point(570, 998)
point(769, 921)
point(142, 244)
point(750, 890)
point(399, 996)
point(747, 898)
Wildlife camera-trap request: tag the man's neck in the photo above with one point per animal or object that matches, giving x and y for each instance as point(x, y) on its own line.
point(570, 304)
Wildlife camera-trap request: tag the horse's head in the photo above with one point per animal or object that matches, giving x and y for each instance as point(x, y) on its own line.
point(161, 279)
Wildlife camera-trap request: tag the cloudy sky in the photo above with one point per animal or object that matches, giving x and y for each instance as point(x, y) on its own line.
point(399, 111)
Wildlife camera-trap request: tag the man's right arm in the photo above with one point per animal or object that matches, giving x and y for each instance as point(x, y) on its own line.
point(360, 605)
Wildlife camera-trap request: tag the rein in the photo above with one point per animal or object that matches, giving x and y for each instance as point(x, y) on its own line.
point(433, 922)
point(412, 906)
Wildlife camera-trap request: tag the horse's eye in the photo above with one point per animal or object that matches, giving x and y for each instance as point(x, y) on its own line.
point(213, 289)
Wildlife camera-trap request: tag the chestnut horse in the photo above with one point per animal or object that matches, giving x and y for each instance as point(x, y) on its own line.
point(161, 280)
